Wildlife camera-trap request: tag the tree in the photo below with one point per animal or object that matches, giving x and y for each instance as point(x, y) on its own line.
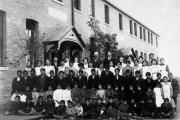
point(104, 42)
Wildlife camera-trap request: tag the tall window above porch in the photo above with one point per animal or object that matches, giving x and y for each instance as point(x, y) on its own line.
point(92, 8)
point(31, 28)
point(77, 5)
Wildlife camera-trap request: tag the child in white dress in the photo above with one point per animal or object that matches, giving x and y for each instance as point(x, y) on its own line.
point(167, 88)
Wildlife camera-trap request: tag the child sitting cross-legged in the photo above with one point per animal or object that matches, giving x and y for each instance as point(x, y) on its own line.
point(166, 109)
point(79, 109)
point(49, 107)
point(39, 106)
point(60, 111)
point(71, 111)
point(27, 108)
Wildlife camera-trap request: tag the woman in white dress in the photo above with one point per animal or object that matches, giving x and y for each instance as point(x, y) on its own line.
point(66, 63)
point(130, 58)
point(85, 62)
point(136, 66)
point(163, 68)
point(88, 70)
point(100, 69)
point(154, 69)
point(111, 67)
point(61, 67)
point(120, 67)
point(48, 68)
point(145, 68)
point(76, 62)
point(167, 88)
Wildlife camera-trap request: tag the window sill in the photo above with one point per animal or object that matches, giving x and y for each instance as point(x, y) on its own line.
point(91, 17)
point(78, 11)
point(58, 2)
point(107, 24)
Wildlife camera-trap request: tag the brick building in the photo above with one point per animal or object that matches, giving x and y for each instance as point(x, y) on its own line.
point(64, 25)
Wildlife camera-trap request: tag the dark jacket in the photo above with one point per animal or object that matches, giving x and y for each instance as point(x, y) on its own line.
point(52, 82)
point(107, 78)
point(18, 85)
point(93, 82)
point(118, 81)
point(82, 80)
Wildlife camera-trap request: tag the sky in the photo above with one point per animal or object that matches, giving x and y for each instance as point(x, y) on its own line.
point(163, 17)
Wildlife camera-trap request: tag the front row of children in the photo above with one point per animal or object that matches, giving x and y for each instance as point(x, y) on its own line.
point(90, 109)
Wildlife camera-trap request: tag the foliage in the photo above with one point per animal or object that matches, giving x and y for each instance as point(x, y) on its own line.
point(104, 42)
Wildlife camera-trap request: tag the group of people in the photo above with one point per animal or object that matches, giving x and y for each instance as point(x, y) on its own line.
point(108, 88)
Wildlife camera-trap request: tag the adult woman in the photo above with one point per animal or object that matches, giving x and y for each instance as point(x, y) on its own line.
point(85, 62)
point(76, 62)
point(62, 66)
point(145, 68)
point(154, 69)
point(163, 68)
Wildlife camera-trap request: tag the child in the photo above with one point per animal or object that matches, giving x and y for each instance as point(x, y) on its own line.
point(140, 95)
point(75, 93)
point(79, 109)
point(149, 108)
point(60, 111)
point(87, 109)
point(92, 93)
point(35, 94)
point(42, 93)
point(14, 106)
point(71, 110)
point(27, 108)
point(124, 107)
point(109, 92)
point(58, 95)
point(159, 99)
point(50, 107)
point(167, 88)
point(149, 82)
point(100, 93)
point(39, 107)
point(150, 95)
point(122, 94)
point(67, 95)
point(49, 92)
point(130, 93)
point(166, 109)
point(84, 93)
point(134, 108)
point(28, 93)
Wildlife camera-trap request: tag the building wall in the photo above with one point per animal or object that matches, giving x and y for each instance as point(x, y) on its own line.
point(49, 14)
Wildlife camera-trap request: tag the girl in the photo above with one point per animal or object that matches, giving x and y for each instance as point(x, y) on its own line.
point(62, 66)
point(100, 93)
point(58, 95)
point(42, 93)
point(71, 110)
point(35, 94)
point(145, 68)
point(167, 88)
point(163, 68)
point(79, 109)
point(48, 68)
point(49, 91)
point(154, 69)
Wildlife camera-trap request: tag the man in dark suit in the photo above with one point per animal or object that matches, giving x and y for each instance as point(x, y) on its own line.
point(96, 61)
point(93, 80)
point(42, 79)
point(149, 82)
point(52, 80)
point(34, 79)
point(18, 83)
point(27, 79)
point(118, 80)
point(61, 80)
point(138, 81)
point(56, 64)
point(108, 59)
point(107, 77)
point(82, 79)
point(71, 80)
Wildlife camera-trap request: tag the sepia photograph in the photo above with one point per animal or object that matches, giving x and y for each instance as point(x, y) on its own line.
point(89, 59)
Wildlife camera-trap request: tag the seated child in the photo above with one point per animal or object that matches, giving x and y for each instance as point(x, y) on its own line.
point(92, 93)
point(124, 107)
point(141, 107)
point(27, 108)
point(39, 106)
point(42, 93)
point(122, 94)
point(28, 93)
point(130, 93)
point(60, 111)
point(75, 93)
point(20, 94)
point(134, 108)
point(58, 95)
point(79, 109)
point(149, 109)
point(100, 93)
point(166, 109)
point(150, 95)
point(87, 109)
point(67, 94)
point(84, 93)
point(140, 95)
point(71, 110)
point(112, 113)
point(49, 92)
point(49, 107)
point(109, 92)
point(35, 94)
point(14, 107)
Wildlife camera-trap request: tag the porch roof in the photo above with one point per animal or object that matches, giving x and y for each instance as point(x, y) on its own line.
point(58, 33)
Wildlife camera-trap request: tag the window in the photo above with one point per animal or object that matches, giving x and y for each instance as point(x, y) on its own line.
point(140, 29)
point(130, 27)
point(92, 8)
point(77, 4)
point(142, 54)
point(120, 22)
point(106, 10)
point(156, 41)
point(148, 37)
point(2, 38)
point(145, 56)
point(144, 33)
point(151, 38)
point(135, 29)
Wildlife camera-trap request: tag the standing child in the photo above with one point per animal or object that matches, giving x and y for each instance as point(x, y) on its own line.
point(75, 93)
point(167, 88)
point(58, 95)
point(150, 95)
point(84, 93)
point(35, 94)
point(28, 93)
point(42, 93)
point(109, 92)
point(49, 91)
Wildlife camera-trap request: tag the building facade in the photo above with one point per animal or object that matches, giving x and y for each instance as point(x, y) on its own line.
point(61, 26)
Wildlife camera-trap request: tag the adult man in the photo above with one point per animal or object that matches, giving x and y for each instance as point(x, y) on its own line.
point(96, 61)
point(56, 64)
point(108, 59)
point(38, 68)
point(42, 79)
point(151, 57)
point(107, 77)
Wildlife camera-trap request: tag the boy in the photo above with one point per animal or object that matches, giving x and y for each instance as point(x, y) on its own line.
point(27, 108)
point(50, 107)
point(75, 93)
point(39, 107)
point(166, 109)
point(149, 109)
point(60, 111)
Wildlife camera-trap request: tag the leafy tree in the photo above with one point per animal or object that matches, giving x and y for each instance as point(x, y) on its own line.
point(104, 42)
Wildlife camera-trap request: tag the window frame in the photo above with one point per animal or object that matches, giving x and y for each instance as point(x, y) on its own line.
point(144, 34)
point(92, 8)
point(135, 29)
point(106, 14)
point(120, 21)
point(131, 27)
point(79, 5)
point(140, 32)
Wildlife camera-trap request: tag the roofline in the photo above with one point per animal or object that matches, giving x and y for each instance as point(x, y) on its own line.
point(111, 4)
